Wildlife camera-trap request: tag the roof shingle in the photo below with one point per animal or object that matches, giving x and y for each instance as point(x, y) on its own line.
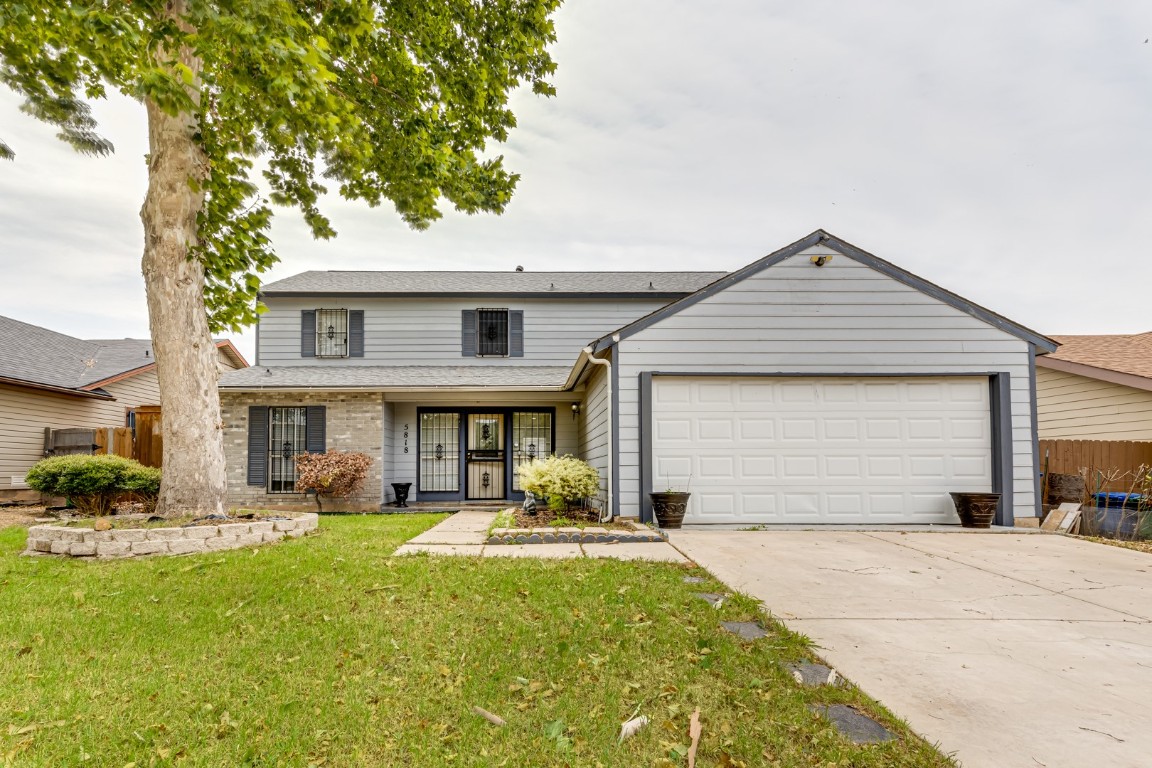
point(1123, 353)
point(491, 283)
point(396, 377)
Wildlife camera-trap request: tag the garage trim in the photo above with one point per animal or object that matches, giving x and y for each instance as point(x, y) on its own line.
point(1000, 417)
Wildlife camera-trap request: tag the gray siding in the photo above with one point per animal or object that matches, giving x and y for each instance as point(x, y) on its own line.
point(594, 425)
point(841, 318)
point(428, 331)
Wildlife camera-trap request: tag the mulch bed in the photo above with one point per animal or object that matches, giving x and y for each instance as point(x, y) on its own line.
point(545, 517)
point(120, 522)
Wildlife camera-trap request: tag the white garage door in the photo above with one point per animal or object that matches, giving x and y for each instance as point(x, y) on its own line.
point(821, 450)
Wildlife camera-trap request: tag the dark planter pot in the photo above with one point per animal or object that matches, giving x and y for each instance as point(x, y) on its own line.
point(669, 508)
point(976, 510)
point(401, 490)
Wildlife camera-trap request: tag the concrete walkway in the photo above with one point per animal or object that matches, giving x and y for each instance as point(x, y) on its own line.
point(1029, 650)
point(466, 532)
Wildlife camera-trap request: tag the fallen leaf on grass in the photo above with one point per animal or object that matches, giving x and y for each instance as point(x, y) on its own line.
point(632, 727)
point(694, 731)
point(494, 719)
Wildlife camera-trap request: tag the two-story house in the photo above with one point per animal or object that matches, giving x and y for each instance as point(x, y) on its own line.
point(818, 384)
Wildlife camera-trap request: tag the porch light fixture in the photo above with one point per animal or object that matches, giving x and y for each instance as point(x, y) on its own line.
point(821, 260)
point(575, 410)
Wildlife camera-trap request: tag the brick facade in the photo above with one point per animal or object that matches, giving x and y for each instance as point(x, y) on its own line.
point(354, 422)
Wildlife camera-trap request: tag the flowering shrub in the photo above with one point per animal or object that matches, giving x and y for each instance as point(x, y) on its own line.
point(560, 477)
point(92, 483)
point(338, 474)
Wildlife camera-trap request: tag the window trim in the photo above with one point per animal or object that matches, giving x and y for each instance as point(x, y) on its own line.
point(300, 431)
point(323, 344)
point(507, 340)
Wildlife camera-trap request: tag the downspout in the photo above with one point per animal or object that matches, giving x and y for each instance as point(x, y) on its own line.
point(608, 508)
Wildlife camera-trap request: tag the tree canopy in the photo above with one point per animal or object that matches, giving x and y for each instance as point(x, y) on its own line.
point(385, 101)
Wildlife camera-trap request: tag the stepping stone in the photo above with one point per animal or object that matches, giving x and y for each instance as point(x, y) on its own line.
point(812, 675)
point(694, 579)
point(858, 728)
point(712, 598)
point(745, 630)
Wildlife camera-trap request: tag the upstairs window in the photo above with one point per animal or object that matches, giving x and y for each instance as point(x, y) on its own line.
point(331, 333)
point(492, 333)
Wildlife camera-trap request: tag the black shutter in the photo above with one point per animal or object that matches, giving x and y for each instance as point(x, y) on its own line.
point(257, 445)
point(314, 429)
point(468, 333)
point(307, 333)
point(516, 333)
point(355, 333)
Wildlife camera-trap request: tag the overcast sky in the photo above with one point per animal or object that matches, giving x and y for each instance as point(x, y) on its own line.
point(1000, 148)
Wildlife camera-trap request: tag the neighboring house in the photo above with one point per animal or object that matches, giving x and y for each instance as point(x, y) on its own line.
point(1096, 388)
point(52, 381)
point(819, 384)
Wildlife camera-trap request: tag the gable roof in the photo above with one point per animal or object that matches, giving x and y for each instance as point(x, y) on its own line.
point(1118, 358)
point(820, 237)
point(37, 357)
point(477, 284)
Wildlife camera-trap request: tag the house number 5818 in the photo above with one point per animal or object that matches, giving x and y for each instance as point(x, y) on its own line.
point(405, 438)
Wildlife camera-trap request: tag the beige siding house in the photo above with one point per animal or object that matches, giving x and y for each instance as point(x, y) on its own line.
point(1096, 388)
point(52, 381)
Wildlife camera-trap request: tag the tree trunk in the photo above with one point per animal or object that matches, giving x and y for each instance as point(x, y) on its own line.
point(194, 475)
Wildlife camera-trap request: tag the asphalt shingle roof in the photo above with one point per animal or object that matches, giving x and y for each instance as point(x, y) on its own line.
point(395, 376)
point(1123, 353)
point(492, 283)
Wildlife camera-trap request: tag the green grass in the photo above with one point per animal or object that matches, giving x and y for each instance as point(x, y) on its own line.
point(328, 651)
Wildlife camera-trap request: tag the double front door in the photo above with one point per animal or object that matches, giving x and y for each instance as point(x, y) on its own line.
point(477, 454)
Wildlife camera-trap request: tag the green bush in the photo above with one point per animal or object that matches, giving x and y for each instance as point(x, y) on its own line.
point(92, 483)
point(566, 478)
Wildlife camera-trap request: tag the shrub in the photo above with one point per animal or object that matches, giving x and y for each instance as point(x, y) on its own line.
point(560, 477)
point(92, 483)
point(144, 485)
point(335, 473)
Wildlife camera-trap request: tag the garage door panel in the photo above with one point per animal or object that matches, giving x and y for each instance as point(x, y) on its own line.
point(812, 450)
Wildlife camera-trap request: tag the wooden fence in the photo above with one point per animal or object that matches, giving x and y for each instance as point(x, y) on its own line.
point(147, 446)
point(1099, 459)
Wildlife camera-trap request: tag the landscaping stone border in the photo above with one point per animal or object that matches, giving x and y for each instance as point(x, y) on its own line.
point(134, 542)
point(639, 534)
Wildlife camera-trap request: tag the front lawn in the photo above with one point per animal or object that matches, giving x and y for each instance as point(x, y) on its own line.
point(328, 651)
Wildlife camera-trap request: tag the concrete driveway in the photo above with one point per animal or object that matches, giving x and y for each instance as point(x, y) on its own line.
point(1005, 649)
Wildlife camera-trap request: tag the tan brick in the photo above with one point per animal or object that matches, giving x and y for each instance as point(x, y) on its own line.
point(233, 529)
point(138, 534)
point(273, 535)
point(249, 539)
point(149, 547)
point(165, 534)
point(186, 546)
point(284, 525)
point(202, 532)
point(219, 543)
point(60, 547)
point(44, 533)
point(73, 534)
point(40, 545)
point(261, 527)
point(82, 549)
point(113, 548)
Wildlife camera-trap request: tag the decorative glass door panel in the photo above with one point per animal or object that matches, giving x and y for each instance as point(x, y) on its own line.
point(440, 452)
point(485, 456)
point(286, 440)
point(531, 439)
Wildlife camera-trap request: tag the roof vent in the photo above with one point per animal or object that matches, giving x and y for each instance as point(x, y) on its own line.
point(146, 353)
point(519, 268)
point(651, 286)
point(551, 286)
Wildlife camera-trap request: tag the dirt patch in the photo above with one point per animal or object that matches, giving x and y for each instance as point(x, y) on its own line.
point(25, 516)
point(137, 521)
point(576, 518)
point(1139, 546)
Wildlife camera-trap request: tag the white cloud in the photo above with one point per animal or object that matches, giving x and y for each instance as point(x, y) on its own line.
point(1001, 149)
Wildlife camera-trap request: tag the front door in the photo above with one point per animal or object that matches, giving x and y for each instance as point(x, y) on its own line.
point(485, 456)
